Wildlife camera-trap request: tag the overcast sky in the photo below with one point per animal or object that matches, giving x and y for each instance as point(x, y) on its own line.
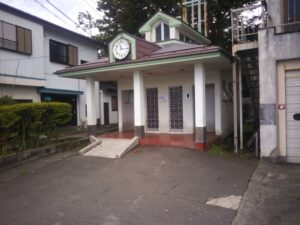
point(70, 7)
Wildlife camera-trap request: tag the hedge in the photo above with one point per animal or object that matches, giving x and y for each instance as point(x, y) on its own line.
point(21, 125)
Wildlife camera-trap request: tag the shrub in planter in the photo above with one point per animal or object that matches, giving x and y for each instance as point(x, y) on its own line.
point(22, 124)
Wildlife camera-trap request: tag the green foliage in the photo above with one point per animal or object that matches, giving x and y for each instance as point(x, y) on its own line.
point(219, 20)
point(130, 15)
point(22, 124)
point(6, 100)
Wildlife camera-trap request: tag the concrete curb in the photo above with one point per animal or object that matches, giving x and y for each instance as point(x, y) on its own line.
point(134, 142)
point(94, 142)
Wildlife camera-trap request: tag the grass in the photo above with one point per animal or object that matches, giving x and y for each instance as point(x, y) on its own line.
point(225, 149)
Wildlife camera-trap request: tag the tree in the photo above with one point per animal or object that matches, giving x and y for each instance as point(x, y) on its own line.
point(86, 22)
point(130, 15)
point(219, 20)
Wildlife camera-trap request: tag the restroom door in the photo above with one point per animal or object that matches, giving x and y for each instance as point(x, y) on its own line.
point(106, 112)
point(210, 107)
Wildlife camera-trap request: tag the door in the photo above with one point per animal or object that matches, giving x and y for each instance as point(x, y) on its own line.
point(127, 110)
point(210, 107)
point(293, 114)
point(176, 109)
point(106, 112)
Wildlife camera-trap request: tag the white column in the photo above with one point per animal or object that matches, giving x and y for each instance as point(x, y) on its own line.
point(138, 89)
point(91, 105)
point(200, 117)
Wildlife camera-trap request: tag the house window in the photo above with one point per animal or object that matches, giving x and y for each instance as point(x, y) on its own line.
point(114, 103)
point(293, 11)
point(186, 39)
point(162, 32)
point(152, 108)
point(176, 108)
point(291, 15)
point(64, 54)
point(15, 38)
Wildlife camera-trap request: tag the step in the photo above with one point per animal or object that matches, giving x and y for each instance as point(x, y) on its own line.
point(113, 147)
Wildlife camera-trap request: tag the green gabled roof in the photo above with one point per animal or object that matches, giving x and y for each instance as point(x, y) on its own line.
point(173, 22)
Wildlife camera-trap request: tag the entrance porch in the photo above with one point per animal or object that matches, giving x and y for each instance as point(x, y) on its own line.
point(167, 139)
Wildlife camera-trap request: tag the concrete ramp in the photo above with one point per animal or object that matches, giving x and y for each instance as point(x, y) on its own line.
point(113, 147)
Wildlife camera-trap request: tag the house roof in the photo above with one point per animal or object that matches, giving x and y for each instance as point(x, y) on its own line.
point(165, 52)
point(173, 22)
point(45, 23)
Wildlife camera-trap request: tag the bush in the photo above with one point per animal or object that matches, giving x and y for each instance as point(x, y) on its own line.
point(6, 100)
point(22, 124)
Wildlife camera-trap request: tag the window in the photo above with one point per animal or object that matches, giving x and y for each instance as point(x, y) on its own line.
point(15, 38)
point(64, 54)
point(162, 32)
point(186, 39)
point(292, 15)
point(176, 108)
point(293, 11)
point(152, 108)
point(114, 103)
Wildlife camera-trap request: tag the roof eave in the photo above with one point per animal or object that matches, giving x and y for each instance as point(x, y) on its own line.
point(144, 63)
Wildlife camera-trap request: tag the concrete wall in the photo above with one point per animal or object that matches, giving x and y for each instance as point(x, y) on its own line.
point(272, 49)
point(226, 106)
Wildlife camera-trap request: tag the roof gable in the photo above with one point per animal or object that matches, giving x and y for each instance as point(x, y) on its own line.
point(172, 22)
point(159, 16)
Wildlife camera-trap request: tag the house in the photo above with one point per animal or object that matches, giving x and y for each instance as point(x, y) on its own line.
point(173, 81)
point(268, 59)
point(31, 50)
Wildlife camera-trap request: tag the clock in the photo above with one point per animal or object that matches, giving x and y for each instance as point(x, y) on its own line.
point(121, 48)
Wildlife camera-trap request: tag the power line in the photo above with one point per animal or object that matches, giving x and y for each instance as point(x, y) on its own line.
point(65, 15)
point(54, 6)
point(36, 1)
point(93, 8)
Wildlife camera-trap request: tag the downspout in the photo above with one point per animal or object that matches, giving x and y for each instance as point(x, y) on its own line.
point(240, 103)
point(235, 102)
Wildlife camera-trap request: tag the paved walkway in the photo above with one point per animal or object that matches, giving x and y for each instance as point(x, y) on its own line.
point(273, 196)
point(150, 185)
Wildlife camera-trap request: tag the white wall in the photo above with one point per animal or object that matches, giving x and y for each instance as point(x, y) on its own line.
point(113, 115)
point(86, 51)
point(20, 92)
point(163, 82)
point(13, 63)
point(223, 111)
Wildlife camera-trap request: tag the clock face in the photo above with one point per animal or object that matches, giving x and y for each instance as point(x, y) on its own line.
point(121, 48)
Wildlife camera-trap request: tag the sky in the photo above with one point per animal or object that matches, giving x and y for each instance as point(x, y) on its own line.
point(70, 7)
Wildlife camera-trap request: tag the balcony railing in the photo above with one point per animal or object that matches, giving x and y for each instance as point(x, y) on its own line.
point(8, 44)
point(246, 21)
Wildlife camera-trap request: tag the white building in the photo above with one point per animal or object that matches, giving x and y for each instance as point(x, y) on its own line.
point(31, 50)
point(172, 82)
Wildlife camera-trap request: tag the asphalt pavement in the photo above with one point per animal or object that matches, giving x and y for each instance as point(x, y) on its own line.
point(150, 185)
